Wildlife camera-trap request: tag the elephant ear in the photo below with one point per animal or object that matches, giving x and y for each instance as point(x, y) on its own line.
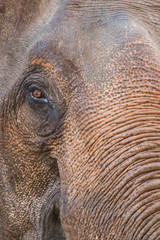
point(20, 23)
point(15, 17)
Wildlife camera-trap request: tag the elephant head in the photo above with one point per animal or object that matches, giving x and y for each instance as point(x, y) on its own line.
point(80, 117)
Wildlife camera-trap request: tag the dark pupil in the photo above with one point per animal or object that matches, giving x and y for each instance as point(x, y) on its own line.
point(37, 94)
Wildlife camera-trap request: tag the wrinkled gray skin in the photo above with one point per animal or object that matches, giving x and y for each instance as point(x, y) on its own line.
point(80, 119)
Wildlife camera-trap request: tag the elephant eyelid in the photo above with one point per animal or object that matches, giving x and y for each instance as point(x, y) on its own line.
point(40, 99)
point(36, 94)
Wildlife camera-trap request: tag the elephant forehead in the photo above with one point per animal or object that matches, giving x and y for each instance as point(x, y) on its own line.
point(87, 33)
point(99, 53)
point(96, 8)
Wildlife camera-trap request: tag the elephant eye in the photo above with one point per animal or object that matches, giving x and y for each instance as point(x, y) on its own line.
point(36, 94)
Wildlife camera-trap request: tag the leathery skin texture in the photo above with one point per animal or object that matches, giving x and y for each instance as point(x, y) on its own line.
point(80, 120)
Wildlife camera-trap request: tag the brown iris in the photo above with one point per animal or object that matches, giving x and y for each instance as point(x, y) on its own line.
point(37, 93)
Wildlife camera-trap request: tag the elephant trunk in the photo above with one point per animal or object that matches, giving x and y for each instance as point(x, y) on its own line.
point(112, 170)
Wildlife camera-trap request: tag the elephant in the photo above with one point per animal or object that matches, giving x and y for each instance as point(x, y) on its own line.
point(80, 120)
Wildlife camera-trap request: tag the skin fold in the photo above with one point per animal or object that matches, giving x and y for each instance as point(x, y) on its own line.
point(80, 120)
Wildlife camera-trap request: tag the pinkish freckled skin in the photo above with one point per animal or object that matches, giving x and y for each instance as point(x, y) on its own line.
point(80, 110)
